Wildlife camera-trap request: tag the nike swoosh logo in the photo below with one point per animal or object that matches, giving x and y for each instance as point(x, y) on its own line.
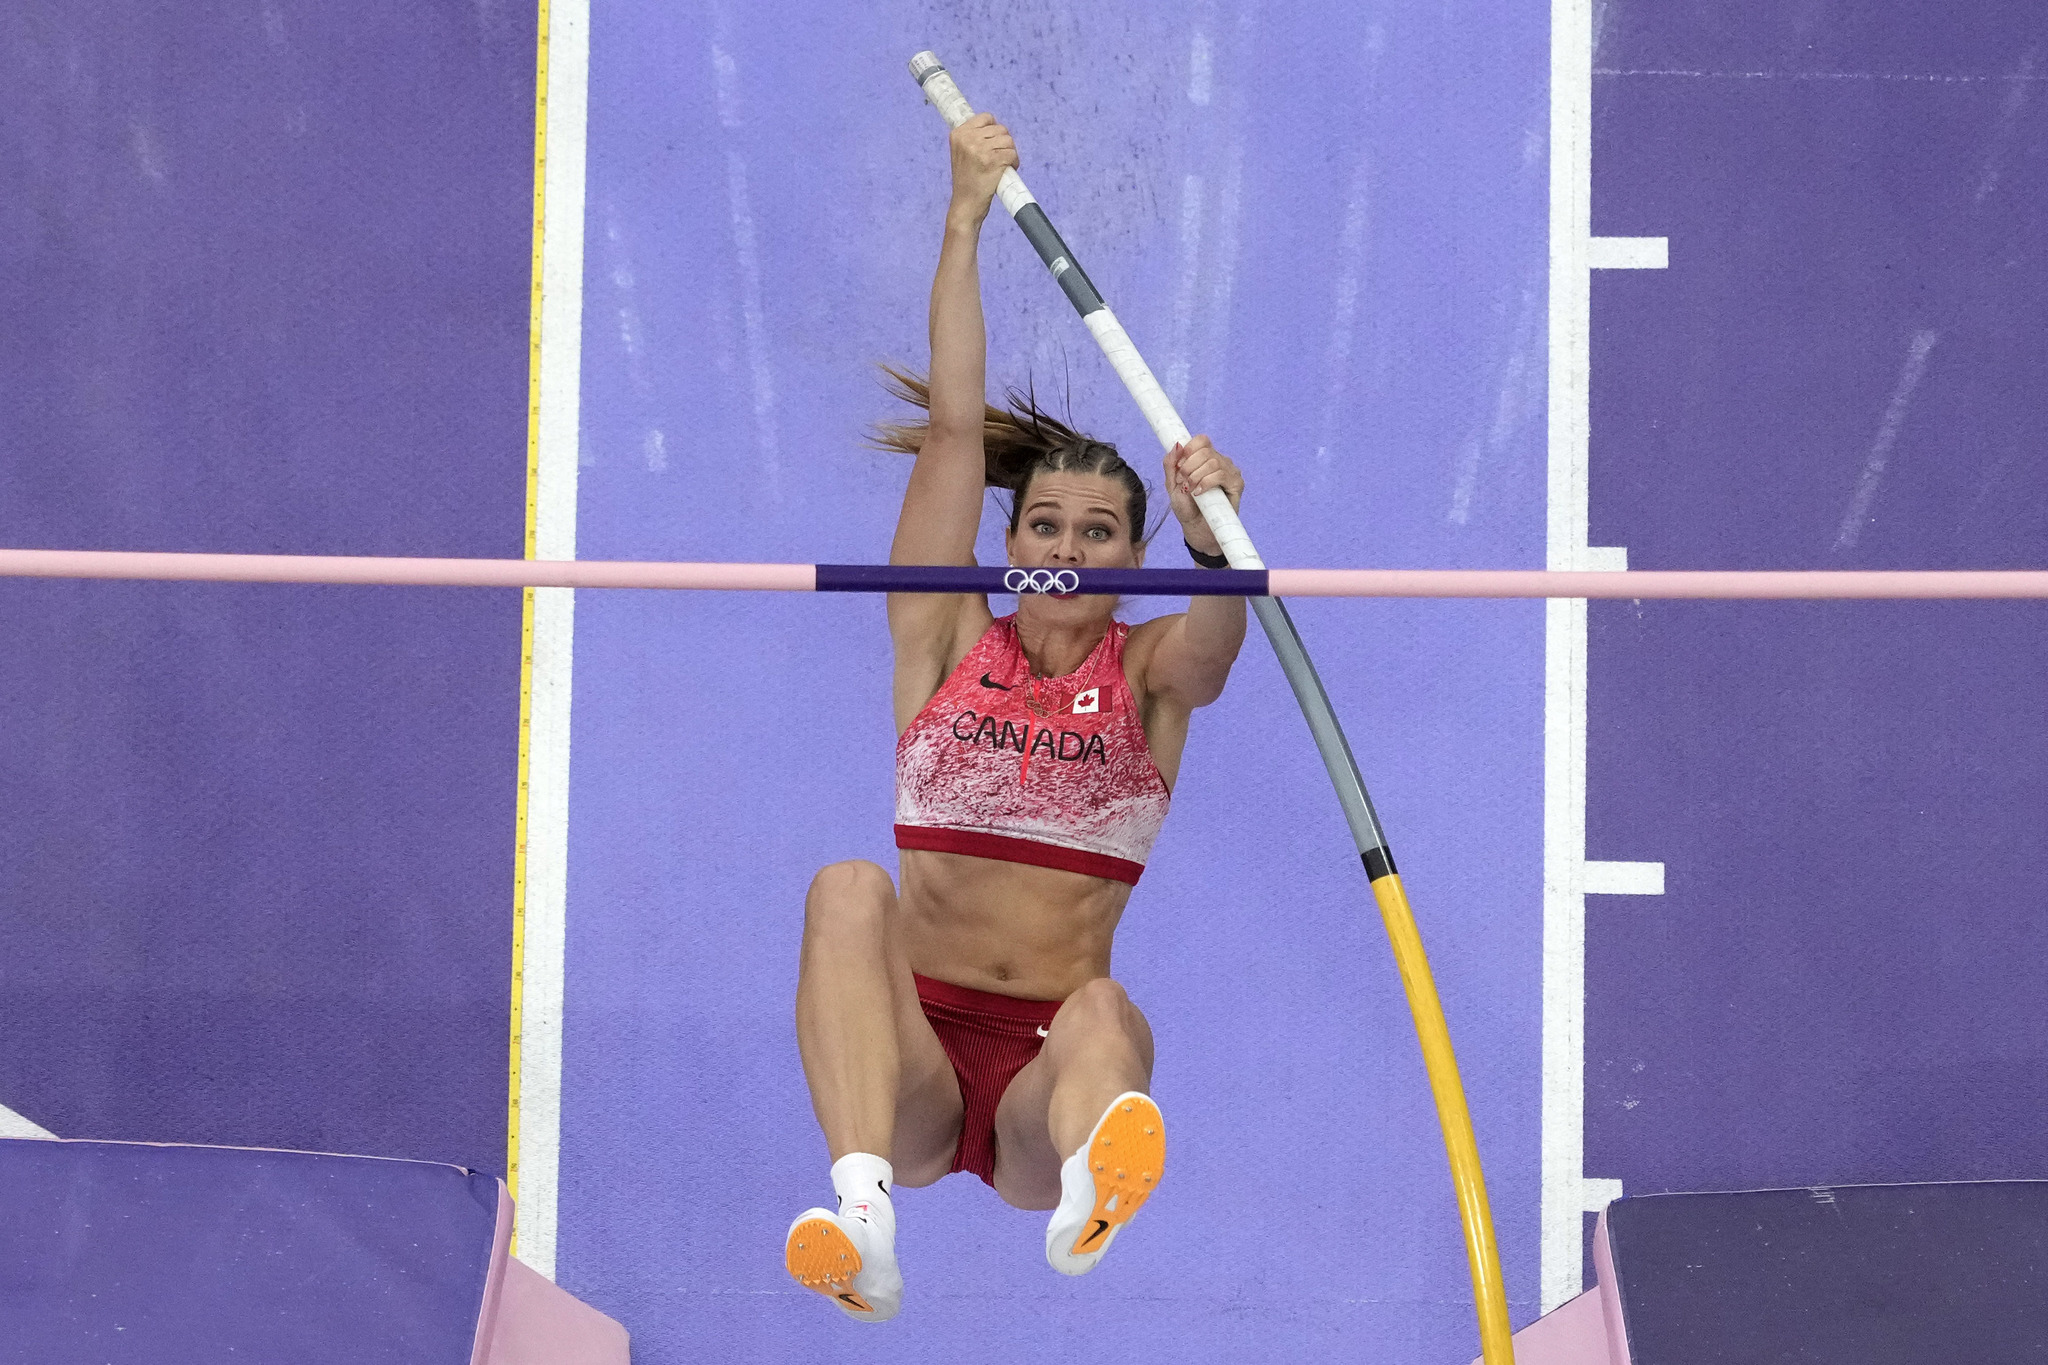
point(1101, 1226)
point(987, 681)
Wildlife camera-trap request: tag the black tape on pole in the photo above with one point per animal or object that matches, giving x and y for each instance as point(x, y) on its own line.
point(1045, 240)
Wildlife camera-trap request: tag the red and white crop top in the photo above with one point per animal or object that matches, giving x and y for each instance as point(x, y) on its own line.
point(1054, 772)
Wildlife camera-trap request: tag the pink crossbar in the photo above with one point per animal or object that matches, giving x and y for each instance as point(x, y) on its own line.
point(1642, 583)
point(394, 571)
point(599, 573)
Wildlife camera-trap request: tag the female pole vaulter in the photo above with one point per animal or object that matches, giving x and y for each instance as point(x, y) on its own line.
point(966, 1019)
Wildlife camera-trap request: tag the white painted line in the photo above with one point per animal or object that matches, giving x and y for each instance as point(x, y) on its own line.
point(561, 308)
point(554, 615)
point(547, 847)
point(1623, 879)
point(1858, 514)
point(13, 1125)
point(1564, 656)
point(1180, 343)
point(1571, 211)
point(1567, 1192)
point(747, 258)
point(1629, 253)
point(1564, 949)
point(1603, 558)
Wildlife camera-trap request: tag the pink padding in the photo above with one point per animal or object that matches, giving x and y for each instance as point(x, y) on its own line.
point(1572, 1334)
point(539, 1323)
point(1610, 1295)
point(1634, 583)
point(494, 1282)
point(439, 573)
point(1586, 1331)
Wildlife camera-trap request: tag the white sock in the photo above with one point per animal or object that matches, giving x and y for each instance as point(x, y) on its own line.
point(862, 1181)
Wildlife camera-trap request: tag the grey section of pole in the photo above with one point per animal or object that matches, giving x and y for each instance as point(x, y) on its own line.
point(1329, 735)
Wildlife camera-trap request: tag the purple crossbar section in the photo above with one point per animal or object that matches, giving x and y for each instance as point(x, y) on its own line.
point(134, 1254)
point(965, 578)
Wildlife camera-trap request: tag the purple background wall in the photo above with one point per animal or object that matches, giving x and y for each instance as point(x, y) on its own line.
point(263, 270)
point(1846, 366)
point(1326, 227)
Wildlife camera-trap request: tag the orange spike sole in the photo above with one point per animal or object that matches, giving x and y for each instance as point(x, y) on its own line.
point(820, 1257)
point(1126, 1157)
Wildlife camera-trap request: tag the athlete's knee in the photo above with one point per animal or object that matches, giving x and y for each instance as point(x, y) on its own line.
point(1100, 1007)
point(849, 897)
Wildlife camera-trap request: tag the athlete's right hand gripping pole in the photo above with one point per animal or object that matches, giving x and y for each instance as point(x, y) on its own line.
point(1489, 1292)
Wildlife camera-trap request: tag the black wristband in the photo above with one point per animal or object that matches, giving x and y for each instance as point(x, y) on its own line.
point(1206, 561)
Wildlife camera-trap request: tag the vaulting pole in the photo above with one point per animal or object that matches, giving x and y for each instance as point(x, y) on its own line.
point(1489, 1293)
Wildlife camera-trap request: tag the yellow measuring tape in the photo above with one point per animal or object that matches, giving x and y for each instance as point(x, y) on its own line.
point(540, 180)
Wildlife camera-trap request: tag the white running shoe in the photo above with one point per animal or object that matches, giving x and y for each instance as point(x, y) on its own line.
point(848, 1257)
point(1105, 1183)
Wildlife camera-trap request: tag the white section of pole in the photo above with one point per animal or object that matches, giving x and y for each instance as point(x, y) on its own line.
point(1166, 424)
point(944, 95)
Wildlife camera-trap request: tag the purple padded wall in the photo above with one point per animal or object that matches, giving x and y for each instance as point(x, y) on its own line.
point(1845, 366)
point(1844, 1275)
point(264, 275)
point(119, 1254)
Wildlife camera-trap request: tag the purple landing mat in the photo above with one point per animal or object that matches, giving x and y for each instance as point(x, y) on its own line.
point(265, 282)
point(1356, 313)
point(1848, 1275)
point(139, 1255)
point(1845, 366)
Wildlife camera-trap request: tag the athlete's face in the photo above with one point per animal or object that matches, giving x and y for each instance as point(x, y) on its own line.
point(1073, 521)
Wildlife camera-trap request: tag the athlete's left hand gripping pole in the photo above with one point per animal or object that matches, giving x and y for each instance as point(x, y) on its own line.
point(1488, 1290)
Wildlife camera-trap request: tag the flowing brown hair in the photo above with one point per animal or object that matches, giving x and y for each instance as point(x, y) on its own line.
point(1017, 442)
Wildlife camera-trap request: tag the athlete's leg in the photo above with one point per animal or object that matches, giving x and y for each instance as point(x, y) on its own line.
point(1096, 1048)
point(881, 1085)
point(879, 1080)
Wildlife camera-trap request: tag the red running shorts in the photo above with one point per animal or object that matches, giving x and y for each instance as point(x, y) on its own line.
point(988, 1039)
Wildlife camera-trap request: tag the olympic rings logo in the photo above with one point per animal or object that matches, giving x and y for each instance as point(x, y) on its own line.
point(1041, 580)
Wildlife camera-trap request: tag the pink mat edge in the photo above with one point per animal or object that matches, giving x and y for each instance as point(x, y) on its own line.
point(1610, 1295)
point(1586, 1329)
point(494, 1280)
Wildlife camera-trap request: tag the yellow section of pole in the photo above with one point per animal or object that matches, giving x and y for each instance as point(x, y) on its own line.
point(1489, 1291)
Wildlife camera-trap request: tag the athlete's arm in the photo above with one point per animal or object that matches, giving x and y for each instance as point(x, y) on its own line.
point(1191, 658)
point(942, 506)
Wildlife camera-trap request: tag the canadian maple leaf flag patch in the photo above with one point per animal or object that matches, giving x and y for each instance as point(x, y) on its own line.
point(1089, 702)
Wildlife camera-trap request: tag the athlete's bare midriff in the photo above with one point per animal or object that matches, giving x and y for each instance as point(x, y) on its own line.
point(1037, 933)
